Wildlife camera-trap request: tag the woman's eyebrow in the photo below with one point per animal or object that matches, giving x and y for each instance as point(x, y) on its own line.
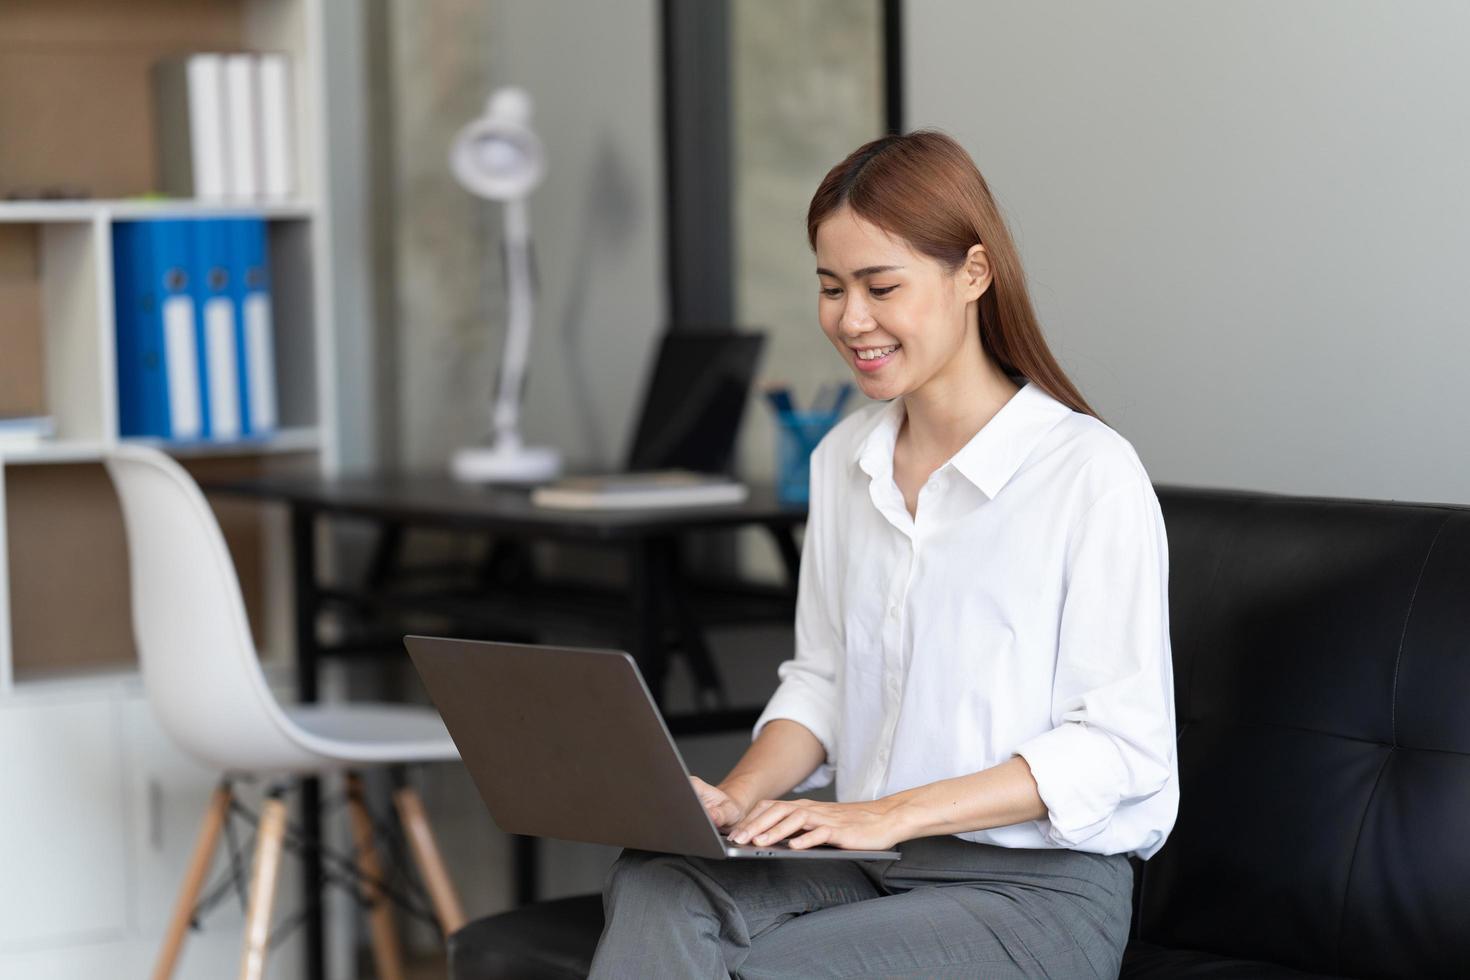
point(859, 273)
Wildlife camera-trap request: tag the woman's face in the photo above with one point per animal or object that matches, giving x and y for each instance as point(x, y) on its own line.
point(875, 293)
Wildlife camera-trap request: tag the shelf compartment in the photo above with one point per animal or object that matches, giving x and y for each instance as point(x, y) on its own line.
point(68, 591)
point(75, 77)
point(55, 355)
point(68, 570)
point(58, 336)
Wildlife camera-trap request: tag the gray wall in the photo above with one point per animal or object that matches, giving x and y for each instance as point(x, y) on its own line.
point(1245, 224)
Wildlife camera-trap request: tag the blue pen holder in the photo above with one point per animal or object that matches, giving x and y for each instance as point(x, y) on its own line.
point(797, 434)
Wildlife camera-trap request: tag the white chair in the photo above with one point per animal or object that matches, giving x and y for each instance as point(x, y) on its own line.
point(205, 684)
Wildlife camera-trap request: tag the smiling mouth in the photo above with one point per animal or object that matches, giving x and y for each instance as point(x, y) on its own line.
point(876, 353)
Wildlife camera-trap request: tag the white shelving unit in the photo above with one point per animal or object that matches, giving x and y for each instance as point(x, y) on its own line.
point(58, 212)
point(98, 810)
point(71, 243)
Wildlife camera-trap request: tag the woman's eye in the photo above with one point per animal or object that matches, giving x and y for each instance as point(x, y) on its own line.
point(831, 293)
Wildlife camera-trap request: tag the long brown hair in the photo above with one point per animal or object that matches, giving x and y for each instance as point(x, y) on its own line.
point(924, 188)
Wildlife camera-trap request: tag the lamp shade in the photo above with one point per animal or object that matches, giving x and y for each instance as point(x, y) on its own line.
point(497, 156)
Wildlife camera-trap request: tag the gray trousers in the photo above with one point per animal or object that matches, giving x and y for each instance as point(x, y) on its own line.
point(949, 908)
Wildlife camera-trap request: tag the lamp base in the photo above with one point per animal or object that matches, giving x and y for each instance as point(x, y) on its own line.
point(506, 464)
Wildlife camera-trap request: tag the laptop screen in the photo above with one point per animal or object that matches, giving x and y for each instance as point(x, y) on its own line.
point(695, 400)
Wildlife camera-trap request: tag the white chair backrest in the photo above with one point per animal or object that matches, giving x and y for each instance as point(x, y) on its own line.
point(199, 663)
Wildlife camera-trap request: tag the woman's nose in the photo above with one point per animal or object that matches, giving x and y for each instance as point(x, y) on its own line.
point(855, 319)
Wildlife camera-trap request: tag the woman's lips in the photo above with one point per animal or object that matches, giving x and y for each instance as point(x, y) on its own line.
point(877, 362)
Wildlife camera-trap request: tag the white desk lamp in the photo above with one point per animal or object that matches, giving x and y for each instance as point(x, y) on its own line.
point(499, 158)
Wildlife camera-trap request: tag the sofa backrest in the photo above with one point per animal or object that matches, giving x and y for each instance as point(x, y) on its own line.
point(1322, 676)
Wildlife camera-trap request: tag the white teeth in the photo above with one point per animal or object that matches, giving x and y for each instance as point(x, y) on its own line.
point(868, 355)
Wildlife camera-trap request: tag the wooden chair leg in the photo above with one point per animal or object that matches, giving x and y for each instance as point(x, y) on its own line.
point(204, 846)
point(269, 837)
point(430, 862)
point(387, 954)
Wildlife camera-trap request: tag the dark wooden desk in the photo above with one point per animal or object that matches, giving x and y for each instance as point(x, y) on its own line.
point(649, 538)
point(660, 592)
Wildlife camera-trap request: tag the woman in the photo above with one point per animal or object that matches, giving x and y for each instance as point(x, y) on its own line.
point(982, 640)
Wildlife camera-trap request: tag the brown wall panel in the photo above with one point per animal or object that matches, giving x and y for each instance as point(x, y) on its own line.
point(21, 390)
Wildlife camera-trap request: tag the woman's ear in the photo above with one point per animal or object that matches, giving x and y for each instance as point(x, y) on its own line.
point(976, 274)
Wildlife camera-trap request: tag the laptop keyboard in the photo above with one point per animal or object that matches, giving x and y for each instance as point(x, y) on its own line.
point(764, 847)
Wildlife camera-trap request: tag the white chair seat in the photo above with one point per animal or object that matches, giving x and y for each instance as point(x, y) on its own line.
point(358, 733)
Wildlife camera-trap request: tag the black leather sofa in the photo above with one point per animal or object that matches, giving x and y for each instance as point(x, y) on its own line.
point(1322, 671)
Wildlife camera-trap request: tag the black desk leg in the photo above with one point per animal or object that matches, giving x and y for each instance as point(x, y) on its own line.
point(525, 864)
point(790, 554)
point(646, 623)
point(692, 642)
point(303, 558)
point(385, 554)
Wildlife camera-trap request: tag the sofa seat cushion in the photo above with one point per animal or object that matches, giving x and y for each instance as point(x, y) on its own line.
point(546, 941)
point(555, 941)
point(1145, 961)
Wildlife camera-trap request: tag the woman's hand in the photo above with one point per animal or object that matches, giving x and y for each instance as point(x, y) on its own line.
point(870, 826)
point(722, 808)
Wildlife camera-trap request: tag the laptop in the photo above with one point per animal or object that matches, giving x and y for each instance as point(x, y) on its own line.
point(566, 742)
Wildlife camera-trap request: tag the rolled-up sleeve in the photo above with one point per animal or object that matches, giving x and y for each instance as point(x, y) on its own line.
point(808, 691)
point(1113, 696)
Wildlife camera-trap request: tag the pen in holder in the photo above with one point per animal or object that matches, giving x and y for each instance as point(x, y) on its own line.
point(797, 434)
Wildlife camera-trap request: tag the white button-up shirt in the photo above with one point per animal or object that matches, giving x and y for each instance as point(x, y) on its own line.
point(1023, 610)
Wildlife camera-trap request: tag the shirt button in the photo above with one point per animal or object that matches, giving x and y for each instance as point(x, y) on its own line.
point(893, 612)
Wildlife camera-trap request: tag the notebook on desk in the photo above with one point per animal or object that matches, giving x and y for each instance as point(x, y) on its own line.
point(631, 491)
point(684, 442)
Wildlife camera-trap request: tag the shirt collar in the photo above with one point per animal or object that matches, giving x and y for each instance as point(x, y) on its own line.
point(991, 457)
